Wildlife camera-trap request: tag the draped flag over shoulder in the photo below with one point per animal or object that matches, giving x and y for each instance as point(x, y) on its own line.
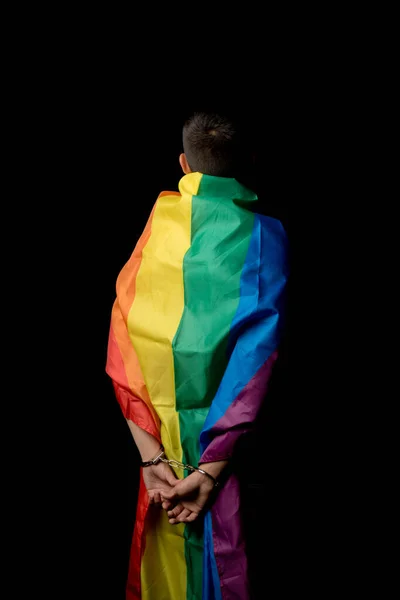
point(194, 335)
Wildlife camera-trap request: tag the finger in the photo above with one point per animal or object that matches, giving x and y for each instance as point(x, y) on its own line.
point(184, 515)
point(169, 495)
point(181, 488)
point(167, 505)
point(157, 498)
point(192, 517)
point(151, 498)
point(175, 511)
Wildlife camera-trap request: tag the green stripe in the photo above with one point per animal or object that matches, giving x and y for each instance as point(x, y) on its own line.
point(212, 267)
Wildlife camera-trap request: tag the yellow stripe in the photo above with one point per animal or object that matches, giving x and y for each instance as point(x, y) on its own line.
point(152, 323)
point(163, 568)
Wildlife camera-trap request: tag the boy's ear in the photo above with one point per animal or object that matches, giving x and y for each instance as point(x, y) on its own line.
point(184, 164)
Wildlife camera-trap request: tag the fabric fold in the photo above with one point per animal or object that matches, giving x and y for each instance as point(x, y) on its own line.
point(194, 335)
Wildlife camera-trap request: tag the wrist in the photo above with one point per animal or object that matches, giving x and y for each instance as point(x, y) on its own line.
point(146, 443)
point(205, 478)
point(149, 454)
point(214, 468)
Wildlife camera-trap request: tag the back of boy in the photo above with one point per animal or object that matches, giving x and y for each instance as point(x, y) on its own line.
point(194, 335)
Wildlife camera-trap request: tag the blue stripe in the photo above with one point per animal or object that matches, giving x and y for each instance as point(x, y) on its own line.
point(255, 329)
point(211, 582)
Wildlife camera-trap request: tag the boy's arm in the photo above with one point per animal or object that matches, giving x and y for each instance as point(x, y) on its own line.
point(147, 444)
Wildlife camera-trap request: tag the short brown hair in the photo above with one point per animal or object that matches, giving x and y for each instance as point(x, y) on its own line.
point(215, 144)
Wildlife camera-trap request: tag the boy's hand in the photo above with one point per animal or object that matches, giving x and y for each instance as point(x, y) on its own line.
point(158, 480)
point(190, 495)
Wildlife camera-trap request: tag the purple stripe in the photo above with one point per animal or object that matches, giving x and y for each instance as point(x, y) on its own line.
point(240, 415)
point(229, 547)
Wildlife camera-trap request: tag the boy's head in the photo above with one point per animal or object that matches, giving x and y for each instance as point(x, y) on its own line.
point(214, 144)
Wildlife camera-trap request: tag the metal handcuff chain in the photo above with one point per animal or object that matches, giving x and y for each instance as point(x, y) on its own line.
point(176, 464)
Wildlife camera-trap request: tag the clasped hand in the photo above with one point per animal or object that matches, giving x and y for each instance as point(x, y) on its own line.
point(182, 499)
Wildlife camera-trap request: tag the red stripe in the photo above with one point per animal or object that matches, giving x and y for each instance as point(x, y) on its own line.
point(133, 586)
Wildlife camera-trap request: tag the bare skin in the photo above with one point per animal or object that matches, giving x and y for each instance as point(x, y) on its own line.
point(183, 499)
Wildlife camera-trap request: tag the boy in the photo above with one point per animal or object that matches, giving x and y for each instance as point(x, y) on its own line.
point(194, 335)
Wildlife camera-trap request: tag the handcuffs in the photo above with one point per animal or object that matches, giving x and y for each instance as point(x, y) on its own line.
point(175, 463)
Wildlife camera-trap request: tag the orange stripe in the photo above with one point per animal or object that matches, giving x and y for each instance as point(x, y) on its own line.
point(168, 194)
point(120, 346)
point(132, 407)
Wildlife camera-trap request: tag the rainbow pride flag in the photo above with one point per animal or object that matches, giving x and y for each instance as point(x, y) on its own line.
point(193, 339)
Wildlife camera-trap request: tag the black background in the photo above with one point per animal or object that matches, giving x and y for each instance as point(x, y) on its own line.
point(113, 145)
point(126, 155)
point(133, 162)
point(96, 104)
